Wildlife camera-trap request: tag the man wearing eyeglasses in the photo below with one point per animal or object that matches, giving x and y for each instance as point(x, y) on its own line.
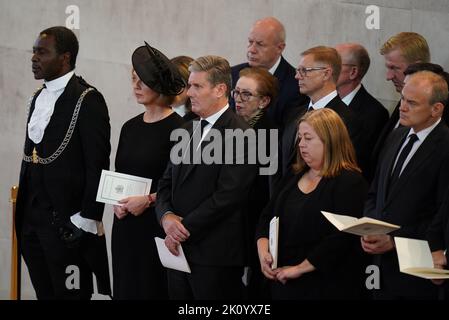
point(369, 112)
point(266, 42)
point(317, 76)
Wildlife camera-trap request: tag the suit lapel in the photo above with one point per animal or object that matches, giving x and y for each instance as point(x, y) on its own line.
point(425, 150)
point(220, 124)
point(66, 97)
point(180, 171)
point(390, 158)
point(280, 71)
point(357, 102)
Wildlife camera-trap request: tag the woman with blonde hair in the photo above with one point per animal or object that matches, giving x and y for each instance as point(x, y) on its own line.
point(144, 150)
point(315, 260)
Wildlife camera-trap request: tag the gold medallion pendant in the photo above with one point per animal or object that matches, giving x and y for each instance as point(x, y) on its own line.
point(34, 156)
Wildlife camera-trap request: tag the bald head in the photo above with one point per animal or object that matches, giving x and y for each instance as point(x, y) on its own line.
point(266, 42)
point(273, 26)
point(355, 64)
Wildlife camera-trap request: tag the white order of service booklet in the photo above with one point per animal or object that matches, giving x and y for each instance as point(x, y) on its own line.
point(116, 186)
point(415, 259)
point(169, 260)
point(362, 227)
point(273, 241)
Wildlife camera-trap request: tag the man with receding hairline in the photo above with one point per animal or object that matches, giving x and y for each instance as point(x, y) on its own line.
point(203, 206)
point(410, 183)
point(266, 42)
point(368, 111)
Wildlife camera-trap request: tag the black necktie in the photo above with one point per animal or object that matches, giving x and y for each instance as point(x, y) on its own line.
point(310, 109)
point(401, 159)
point(203, 124)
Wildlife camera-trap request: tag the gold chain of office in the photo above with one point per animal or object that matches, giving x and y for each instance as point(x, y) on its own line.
point(34, 157)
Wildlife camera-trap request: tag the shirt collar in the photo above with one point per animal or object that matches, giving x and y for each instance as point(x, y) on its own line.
point(422, 135)
point(59, 83)
point(348, 99)
point(213, 118)
point(275, 66)
point(323, 101)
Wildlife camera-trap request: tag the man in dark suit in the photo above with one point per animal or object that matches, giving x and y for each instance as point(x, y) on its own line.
point(200, 205)
point(266, 42)
point(369, 112)
point(410, 183)
point(399, 52)
point(66, 147)
point(317, 76)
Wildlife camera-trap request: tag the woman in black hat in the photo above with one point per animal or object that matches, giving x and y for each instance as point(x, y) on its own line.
point(144, 150)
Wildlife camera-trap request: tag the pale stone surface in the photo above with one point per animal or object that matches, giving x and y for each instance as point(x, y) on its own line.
point(111, 29)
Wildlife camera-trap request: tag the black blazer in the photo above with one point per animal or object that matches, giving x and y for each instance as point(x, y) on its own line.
point(211, 199)
point(382, 139)
point(412, 202)
point(287, 145)
point(336, 255)
point(372, 116)
point(288, 95)
point(71, 181)
point(438, 235)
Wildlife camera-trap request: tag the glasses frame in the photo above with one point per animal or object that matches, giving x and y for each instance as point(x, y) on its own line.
point(304, 71)
point(248, 95)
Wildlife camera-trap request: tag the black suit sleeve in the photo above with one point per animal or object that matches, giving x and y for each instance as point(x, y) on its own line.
point(348, 198)
point(436, 232)
point(95, 134)
point(164, 189)
point(233, 186)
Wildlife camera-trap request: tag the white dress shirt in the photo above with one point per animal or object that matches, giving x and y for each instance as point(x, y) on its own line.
point(349, 97)
point(275, 66)
point(45, 105)
point(320, 104)
point(422, 135)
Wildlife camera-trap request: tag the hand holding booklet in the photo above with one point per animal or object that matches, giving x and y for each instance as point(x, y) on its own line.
point(362, 227)
point(169, 260)
point(115, 186)
point(415, 258)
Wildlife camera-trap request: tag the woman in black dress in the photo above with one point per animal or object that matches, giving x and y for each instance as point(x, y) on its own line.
point(315, 260)
point(144, 150)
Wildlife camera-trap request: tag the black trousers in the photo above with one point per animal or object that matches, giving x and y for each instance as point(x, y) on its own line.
point(56, 271)
point(206, 283)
